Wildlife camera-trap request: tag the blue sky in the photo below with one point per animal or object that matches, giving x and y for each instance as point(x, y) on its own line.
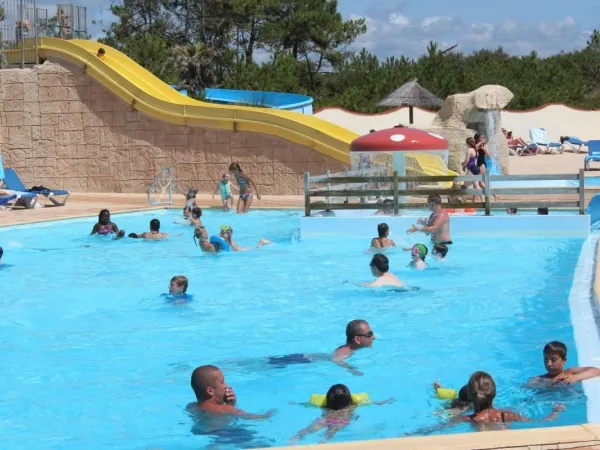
point(520, 26)
point(405, 27)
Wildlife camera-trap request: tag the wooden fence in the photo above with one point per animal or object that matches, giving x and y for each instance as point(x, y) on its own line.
point(390, 187)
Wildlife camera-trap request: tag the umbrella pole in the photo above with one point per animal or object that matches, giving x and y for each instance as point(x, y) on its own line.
point(410, 114)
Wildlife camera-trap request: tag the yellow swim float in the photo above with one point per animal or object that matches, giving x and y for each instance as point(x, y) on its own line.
point(320, 400)
point(446, 394)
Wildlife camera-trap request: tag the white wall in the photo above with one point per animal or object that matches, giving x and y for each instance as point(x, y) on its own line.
point(558, 120)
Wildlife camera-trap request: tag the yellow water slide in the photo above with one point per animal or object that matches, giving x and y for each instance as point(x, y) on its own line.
point(149, 94)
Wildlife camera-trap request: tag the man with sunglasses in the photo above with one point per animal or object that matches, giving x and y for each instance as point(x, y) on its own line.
point(358, 335)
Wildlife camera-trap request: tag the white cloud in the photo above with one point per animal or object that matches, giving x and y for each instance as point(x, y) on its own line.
point(392, 34)
point(398, 19)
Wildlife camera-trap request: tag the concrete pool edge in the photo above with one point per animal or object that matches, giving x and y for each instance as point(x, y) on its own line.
point(581, 437)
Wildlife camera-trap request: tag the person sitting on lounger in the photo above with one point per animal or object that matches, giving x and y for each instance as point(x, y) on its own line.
point(105, 227)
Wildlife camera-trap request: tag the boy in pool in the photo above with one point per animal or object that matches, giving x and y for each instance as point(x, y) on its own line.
point(418, 252)
point(440, 251)
point(154, 234)
point(555, 357)
point(178, 288)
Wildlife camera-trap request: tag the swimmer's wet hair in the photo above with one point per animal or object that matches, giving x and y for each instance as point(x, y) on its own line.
point(380, 262)
point(482, 390)
point(440, 249)
point(102, 212)
point(557, 348)
point(543, 211)
point(155, 225)
point(354, 328)
point(1, 252)
point(196, 211)
point(382, 229)
point(181, 281)
point(338, 397)
point(187, 208)
point(463, 395)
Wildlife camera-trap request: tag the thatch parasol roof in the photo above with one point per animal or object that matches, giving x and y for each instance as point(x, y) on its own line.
point(412, 94)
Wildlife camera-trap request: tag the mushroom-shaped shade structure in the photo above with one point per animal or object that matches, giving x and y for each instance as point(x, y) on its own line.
point(399, 147)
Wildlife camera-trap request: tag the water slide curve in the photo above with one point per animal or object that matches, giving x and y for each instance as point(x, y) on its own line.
point(149, 94)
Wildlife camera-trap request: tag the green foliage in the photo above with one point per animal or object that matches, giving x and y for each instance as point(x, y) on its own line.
point(202, 43)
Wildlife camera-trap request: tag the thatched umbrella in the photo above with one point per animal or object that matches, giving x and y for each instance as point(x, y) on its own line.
point(412, 94)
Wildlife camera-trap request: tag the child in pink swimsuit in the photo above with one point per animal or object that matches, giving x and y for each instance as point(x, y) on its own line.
point(105, 227)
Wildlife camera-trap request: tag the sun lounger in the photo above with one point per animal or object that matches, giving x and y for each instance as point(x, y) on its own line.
point(12, 181)
point(593, 154)
point(576, 143)
point(539, 137)
point(10, 199)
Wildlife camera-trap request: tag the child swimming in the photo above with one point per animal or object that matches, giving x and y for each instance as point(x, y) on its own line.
point(382, 240)
point(338, 411)
point(105, 227)
point(440, 251)
point(418, 252)
point(458, 405)
point(555, 357)
point(178, 290)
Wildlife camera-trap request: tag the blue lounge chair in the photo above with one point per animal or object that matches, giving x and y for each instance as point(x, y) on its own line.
point(11, 199)
point(576, 143)
point(593, 154)
point(13, 182)
point(539, 137)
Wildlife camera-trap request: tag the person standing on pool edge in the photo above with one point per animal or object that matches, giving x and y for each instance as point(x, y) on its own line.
point(244, 182)
point(358, 335)
point(438, 223)
point(214, 396)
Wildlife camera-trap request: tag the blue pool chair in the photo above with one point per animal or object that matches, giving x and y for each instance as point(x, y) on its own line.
point(593, 153)
point(539, 137)
point(13, 182)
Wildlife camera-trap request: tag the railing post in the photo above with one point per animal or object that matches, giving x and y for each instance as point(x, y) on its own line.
point(328, 173)
point(486, 192)
point(306, 194)
point(581, 191)
point(22, 34)
point(395, 192)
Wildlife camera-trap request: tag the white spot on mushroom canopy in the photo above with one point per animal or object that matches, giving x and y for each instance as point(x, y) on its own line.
point(436, 135)
point(397, 137)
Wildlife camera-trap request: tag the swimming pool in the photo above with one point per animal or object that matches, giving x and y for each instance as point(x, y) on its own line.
point(93, 356)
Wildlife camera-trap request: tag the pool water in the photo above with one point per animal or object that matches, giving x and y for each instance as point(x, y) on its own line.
point(92, 356)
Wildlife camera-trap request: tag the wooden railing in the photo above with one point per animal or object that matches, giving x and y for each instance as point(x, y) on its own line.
point(392, 189)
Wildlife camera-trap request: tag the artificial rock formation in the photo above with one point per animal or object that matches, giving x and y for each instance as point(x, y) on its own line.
point(60, 128)
point(478, 111)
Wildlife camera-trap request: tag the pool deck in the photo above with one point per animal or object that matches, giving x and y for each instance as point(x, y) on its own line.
point(90, 204)
point(580, 437)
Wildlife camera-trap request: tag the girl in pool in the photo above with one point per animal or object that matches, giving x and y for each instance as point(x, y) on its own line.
point(382, 241)
point(227, 232)
point(482, 392)
point(337, 413)
point(105, 227)
point(244, 182)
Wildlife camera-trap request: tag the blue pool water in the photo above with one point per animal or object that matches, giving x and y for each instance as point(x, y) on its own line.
point(92, 356)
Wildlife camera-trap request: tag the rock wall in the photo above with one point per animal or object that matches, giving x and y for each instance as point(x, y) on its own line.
point(462, 115)
point(61, 129)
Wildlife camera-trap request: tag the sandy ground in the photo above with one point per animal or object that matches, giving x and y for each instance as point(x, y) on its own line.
point(89, 204)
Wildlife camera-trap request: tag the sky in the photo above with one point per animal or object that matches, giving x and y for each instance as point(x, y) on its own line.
point(405, 27)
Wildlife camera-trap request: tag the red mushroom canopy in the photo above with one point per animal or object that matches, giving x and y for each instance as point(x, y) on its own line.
point(399, 139)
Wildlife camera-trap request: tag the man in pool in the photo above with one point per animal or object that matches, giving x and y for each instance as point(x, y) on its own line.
point(380, 266)
point(358, 335)
point(555, 357)
point(438, 223)
point(214, 396)
point(154, 234)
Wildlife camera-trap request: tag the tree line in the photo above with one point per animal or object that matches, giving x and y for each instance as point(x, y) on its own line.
point(197, 44)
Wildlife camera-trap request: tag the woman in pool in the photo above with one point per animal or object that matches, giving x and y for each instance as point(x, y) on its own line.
point(244, 182)
point(105, 227)
point(227, 232)
point(383, 231)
